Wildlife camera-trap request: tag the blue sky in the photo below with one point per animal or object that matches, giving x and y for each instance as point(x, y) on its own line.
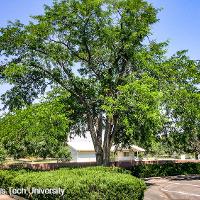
point(179, 22)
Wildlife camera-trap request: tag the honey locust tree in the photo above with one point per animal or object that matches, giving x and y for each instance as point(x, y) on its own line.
point(99, 51)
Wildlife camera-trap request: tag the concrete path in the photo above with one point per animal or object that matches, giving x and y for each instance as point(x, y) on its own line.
point(173, 188)
point(5, 197)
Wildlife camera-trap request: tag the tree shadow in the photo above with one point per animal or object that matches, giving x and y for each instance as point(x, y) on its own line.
point(184, 178)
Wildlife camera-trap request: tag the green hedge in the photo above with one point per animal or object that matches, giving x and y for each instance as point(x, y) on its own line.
point(83, 183)
point(168, 169)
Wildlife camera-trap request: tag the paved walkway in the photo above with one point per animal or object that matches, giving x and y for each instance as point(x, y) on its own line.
point(5, 197)
point(173, 188)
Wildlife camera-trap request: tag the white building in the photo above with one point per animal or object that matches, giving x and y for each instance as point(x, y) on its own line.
point(82, 150)
point(132, 153)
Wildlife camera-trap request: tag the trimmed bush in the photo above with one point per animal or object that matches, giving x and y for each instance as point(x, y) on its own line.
point(7, 176)
point(81, 183)
point(167, 169)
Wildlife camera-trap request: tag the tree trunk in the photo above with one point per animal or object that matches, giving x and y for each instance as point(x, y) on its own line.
point(96, 139)
point(96, 130)
point(99, 156)
point(106, 156)
point(110, 131)
point(107, 142)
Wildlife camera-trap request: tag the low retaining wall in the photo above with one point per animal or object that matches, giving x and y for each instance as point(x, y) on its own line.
point(123, 164)
point(47, 166)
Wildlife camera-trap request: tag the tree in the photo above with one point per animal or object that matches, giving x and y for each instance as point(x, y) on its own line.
point(39, 130)
point(123, 79)
point(3, 154)
point(183, 134)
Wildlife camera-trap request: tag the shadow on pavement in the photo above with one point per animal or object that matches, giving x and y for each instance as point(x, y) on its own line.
point(184, 178)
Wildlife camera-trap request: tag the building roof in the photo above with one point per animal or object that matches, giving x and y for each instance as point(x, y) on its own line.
point(133, 148)
point(81, 146)
point(79, 143)
point(88, 146)
point(85, 144)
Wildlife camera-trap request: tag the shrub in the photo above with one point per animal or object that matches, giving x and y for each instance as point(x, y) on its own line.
point(63, 154)
point(7, 176)
point(90, 183)
point(167, 169)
